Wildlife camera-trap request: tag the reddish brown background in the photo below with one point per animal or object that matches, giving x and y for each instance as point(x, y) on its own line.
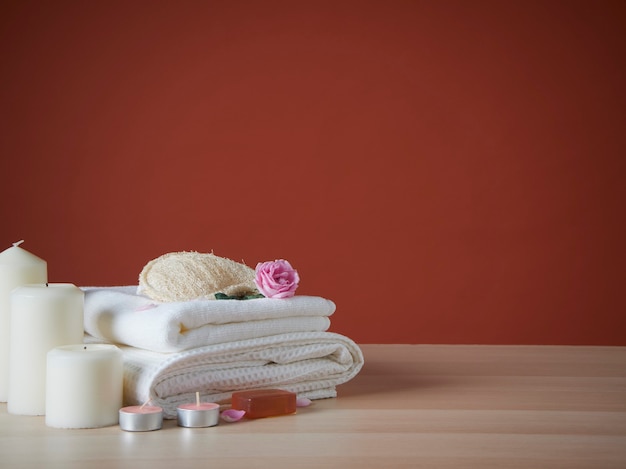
point(445, 171)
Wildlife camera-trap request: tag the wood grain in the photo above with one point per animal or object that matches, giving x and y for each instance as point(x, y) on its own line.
point(413, 406)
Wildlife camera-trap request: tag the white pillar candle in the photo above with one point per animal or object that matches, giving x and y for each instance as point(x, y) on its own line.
point(84, 386)
point(17, 267)
point(42, 317)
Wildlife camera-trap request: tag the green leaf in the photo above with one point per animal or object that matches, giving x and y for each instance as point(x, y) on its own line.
point(224, 296)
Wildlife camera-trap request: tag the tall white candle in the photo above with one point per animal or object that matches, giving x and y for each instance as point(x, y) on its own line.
point(42, 317)
point(17, 267)
point(84, 386)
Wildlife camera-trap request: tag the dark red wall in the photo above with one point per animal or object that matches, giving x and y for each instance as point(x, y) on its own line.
point(445, 171)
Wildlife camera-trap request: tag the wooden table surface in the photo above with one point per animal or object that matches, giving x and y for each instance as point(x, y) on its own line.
point(411, 406)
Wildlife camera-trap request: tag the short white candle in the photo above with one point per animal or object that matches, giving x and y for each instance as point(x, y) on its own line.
point(17, 267)
point(84, 386)
point(42, 317)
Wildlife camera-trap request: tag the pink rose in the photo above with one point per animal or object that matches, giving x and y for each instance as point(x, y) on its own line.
point(276, 279)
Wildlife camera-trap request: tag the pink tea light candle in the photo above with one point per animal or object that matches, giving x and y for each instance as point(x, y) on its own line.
point(200, 414)
point(84, 386)
point(143, 418)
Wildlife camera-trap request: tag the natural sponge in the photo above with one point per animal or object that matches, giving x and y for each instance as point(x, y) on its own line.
point(183, 276)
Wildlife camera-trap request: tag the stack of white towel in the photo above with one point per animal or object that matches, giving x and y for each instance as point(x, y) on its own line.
point(215, 347)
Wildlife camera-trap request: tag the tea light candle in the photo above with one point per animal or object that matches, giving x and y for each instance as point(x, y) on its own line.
point(17, 267)
point(144, 418)
point(42, 317)
point(84, 386)
point(200, 414)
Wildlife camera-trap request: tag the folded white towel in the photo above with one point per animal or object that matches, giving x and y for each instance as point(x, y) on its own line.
point(120, 315)
point(311, 364)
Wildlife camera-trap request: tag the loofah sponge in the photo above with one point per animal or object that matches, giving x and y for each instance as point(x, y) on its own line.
point(183, 276)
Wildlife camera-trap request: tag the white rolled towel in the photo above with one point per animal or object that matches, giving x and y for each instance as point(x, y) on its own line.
point(311, 364)
point(120, 315)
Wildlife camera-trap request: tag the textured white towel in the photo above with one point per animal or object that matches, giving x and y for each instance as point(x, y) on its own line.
point(120, 315)
point(311, 364)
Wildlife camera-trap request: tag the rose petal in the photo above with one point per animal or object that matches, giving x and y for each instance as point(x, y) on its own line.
point(232, 415)
point(303, 402)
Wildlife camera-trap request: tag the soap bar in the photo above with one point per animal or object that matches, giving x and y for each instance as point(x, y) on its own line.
point(260, 403)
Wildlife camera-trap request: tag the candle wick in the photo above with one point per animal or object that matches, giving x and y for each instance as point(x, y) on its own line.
point(145, 403)
point(18, 243)
point(46, 284)
point(198, 399)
